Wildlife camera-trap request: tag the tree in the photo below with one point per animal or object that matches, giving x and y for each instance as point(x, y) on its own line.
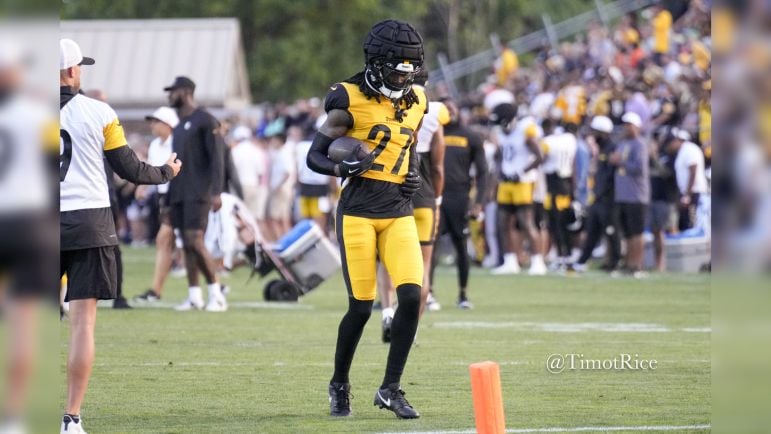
point(298, 48)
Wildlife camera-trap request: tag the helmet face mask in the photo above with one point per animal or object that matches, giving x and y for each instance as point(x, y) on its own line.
point(393, 52)
point(392, 78)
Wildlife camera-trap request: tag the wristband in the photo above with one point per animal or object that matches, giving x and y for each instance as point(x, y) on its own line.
point(439, 201)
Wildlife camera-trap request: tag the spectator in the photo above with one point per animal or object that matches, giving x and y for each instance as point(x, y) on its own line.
point(664, 197)
point(251, 161)
point(600, 219)
point(632, 190)
point(689, 171)
point(281, 187)
point(162, 123)
point(313, 188)
point(662, 26)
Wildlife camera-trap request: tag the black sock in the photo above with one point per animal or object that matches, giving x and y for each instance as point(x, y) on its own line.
point(348, 335)
point(403, 329)
point(462, 296)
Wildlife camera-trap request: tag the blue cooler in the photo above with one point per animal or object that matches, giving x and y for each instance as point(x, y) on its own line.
point(308, 255)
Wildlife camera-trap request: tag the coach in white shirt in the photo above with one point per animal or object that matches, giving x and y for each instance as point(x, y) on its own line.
point(90, 135)
point(689, 171)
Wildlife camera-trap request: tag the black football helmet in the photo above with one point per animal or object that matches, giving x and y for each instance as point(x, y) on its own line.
point(393, 52)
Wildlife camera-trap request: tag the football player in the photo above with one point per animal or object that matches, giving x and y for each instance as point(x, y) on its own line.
point(520, 156)
point(379, 107)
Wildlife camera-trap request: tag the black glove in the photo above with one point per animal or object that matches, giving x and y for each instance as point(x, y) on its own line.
point(353, 167)
point(411, 184)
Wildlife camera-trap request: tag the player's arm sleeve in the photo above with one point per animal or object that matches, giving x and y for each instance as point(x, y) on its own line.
point(124, 161)
point(339, 121)
point(480, 162)
point(215, 148)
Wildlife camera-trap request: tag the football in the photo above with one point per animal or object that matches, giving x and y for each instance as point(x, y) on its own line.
point(343, 147)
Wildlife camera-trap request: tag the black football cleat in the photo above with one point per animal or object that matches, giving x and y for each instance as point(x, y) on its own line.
point(120, 303)
point(393, 399)
point(340, 399)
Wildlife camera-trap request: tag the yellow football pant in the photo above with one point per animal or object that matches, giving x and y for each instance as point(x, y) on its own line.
point(393, 240)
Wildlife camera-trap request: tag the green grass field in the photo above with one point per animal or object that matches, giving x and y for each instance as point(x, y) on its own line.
point(265, 368)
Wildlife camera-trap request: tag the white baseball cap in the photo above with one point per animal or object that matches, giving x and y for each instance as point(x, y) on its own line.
point(602, 124)
point(70, 55)
point(167, 115)
point(632, 118)
point(242, 132)
point(681, 134)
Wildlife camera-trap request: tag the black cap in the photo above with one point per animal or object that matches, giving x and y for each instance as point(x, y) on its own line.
point(181, 82)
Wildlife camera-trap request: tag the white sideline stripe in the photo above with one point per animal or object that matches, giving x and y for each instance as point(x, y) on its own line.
point(575, 429)
point(233, 304)
point(555, 327)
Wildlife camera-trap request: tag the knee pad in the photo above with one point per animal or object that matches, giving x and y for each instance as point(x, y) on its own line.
point(408, 295)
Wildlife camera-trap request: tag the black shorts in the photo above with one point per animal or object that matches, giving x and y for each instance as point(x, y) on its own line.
point(190, 215)
point(28, 252)
point(91, 273)
point(631, 218)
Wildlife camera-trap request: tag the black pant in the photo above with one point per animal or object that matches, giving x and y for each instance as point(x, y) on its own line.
point(453, 220)
point(600, 222)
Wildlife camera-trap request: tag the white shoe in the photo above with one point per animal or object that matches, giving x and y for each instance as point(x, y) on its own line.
point(506, 268)
point(537, 269)
point(178, 272)
point(431, 303)
point(72, 425)
point(217, 304)
point(579, 268)
point(465, 305)
point(489, 262)
point(190, 304)
point(12, 426)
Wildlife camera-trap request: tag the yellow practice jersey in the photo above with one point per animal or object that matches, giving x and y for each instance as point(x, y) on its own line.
point(375, 124)
point(376, 193)
point(572, 103)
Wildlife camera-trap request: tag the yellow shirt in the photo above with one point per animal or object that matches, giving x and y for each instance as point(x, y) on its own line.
point(701, 55)
point(662, 24)
point(376, 126)
point(507, 65)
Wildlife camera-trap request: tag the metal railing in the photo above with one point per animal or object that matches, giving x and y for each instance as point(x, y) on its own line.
point(549, 35)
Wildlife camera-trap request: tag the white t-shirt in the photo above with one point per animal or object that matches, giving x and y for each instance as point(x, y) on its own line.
point(690, 154)
point(281, 165)
point(304, 173)
point(560, 154)
point(23, 129)
point(250, 162)
point(88, 128)
point(158, 154)
point(516, 155)
point(437, 115)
